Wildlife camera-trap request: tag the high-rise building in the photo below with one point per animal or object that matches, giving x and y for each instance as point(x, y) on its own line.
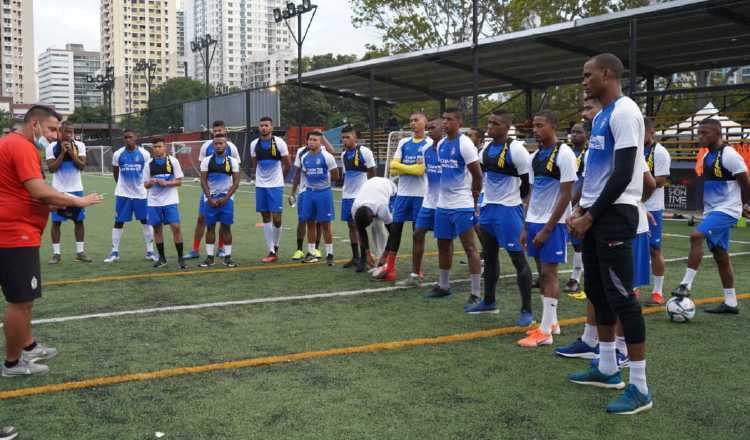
point(266, 70)
point(62, 78)
point(181, 56)
point(133, 31)
point(245, 31)
point(17, 75)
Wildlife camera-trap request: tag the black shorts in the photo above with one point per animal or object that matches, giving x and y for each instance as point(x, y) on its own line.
point(20, 274)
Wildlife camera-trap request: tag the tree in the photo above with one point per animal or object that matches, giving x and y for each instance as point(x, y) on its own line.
point(6, 121)
point(165, 110)
point(86, 114)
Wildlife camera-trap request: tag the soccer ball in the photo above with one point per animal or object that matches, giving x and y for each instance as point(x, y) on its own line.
point(680, 309)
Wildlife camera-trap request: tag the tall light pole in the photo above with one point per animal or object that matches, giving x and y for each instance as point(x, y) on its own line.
point(291, 11)
point(105, 83)
point(149, 67)
point(203, 45)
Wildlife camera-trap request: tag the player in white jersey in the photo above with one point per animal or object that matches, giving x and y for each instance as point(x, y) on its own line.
point(220, 178)
point(371, 210)
point(207, 149)
point(460, 185)
point(162, 175)
point(579, 144)
point(65, 160)
point(270, 159)
point(726, 191)
point(130, 194)
point(658, 162)
point(359, 165)
point(552, 174)
point(606, 220)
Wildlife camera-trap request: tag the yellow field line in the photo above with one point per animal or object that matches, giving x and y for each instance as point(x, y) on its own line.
point(297, 357)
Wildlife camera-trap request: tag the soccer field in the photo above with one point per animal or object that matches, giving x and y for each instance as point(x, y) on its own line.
point(309, 351)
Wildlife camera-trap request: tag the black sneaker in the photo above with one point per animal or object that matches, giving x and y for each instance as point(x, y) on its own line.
point(349, 264)
point(572, 286)
point(361, 265)
point(228, 262)
point(310, 258)
point(681, 291)
point(724, 309)
point(208, 262)
point(437, 292)
point(8, 433)
point(56, 259)
point(161, 263)
point(181, 264)
point(82, 258)
point(473, 299)
point(329, 260)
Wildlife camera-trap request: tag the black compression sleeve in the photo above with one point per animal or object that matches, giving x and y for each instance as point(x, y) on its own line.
point(524, 185)
point(621, 176)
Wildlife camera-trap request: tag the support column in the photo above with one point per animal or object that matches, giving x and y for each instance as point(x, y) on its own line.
point(443, 106)
point(650, 98)
point(633, 55)
point(529, 94)
point(372, 112)
point(475, 63)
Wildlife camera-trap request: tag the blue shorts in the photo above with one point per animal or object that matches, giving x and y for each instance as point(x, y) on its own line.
point(300, 202)
point(450, 223)
point(269, 199)
point(426, 219)
point(505, 223)
point(318, 205)
point(81, 213)
point(346, 210)
point(406, 208)
point(554, 250)
point(224, 214)
point(655, 231)
point(201, 204)
point(716, 226)
point(641, 261)
point(126, 207)
point(163, 215)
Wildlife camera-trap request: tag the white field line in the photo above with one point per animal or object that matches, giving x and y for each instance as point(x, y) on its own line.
point(687, 236)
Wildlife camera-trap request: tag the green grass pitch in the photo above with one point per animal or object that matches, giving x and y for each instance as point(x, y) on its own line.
point(487, 388)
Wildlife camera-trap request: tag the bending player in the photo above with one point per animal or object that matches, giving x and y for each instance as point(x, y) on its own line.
point(66, 159)
point(371, 209)
point(506, 187)
point(726, 189)
point(162, 175)
point(270, 159)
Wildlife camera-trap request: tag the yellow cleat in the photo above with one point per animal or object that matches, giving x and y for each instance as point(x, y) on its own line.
point(298, 255)
point(581, 296)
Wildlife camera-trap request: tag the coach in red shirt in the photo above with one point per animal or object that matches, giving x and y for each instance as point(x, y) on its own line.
point(25, 201)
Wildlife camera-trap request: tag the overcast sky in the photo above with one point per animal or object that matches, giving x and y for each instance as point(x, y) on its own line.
point(59, 22)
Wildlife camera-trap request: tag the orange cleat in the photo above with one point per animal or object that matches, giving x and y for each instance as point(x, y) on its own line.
point(656, 299)
point(536, 339)
point(270, 258)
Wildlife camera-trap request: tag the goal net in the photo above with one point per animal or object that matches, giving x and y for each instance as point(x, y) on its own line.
point(394, 138)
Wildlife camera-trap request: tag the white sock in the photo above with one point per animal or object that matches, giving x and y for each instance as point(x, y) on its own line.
point(444, 277)
point(476, 285)
point(210, 250)
point(689, 277)
point(56, 248)
point(79, 247)
point(577, 266)
point(638, 375)
point(730, 297)
point(116, 236)
point(549, 314)
point(621, 345)
point(311, 248)
point(658, 284)
point(148, 237)
point(276, 236)
point(607, 358)
point(590, 337)
point(268, 235)
point(227, 250)
point(329, 249)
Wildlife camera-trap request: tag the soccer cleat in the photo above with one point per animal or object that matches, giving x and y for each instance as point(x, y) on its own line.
point(220, 253)
point(681, 291)
point(82, 258)
point(724, 309)
point(329, 260)
point(160, 263)
point(181, 264)
point(151, 256)
point(318, 254)
point(572, 286)
point(25, 368)
point(349, 264)
point(8, 433)
point(270, 258)
point(481, 307)
point(56, 259)
point(536, 339)
point(379, 272)
point(228, 262)
point(577, 349)
point(192, 255)
point(39, 353)
point(580, 296)
point(595, 378)
point(438, 292)
point(622, 360)
point(473, 300)
point(208, 262)
point(631, 401)
point(554, 329)
point(298, 255)
point(114, 256)
point(525, 319)
point(656, 299)
point(414, 280)
point(361, 265)
point(310, 258)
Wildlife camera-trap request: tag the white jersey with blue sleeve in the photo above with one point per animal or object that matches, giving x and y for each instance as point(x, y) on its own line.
point(317, 166)
point(432, 171)
point(455, 179)
point(67, 178)
point(721, 192)
point(658, 162)
point(545, 189)
point(219, 173)
point(207, 149)
point(130, 179)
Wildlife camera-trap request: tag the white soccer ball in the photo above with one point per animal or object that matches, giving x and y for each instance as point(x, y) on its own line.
point(680, 309)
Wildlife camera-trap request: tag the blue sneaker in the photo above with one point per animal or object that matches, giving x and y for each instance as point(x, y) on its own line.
point(151, 256)
point(577, 349)
point(114, 256)
point(595, 378)
point(437, 292)
point(192, 255)
point(631, 401)
point(481, 307)
point(622, 360)
point(525, 319)
point(221, 253)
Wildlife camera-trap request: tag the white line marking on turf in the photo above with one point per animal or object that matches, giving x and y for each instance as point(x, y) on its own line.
point(271, 300)
point(687, 236)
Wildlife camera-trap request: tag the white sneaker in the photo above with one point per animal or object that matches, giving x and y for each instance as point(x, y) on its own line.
point(114, 256)
point(40, 353)
point(25, 368)
point(152, 256)
point(414, 280)
point(8, 433)
point(379, 271)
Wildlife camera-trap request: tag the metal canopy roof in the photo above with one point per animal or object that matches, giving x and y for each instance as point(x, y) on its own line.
point(678, 36)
